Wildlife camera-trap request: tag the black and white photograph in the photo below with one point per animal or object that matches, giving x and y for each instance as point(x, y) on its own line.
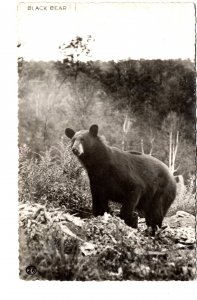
point(106, 141)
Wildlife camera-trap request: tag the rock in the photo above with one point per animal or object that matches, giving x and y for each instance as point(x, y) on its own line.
point(181, 219)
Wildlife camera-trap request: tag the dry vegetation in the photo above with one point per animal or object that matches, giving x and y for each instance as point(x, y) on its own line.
point(53, 189)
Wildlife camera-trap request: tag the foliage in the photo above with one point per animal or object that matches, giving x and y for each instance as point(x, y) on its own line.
point(54, 178)
point(102, 248)
point(43, 244)
point(57, 178)
point(63, 247)
point(185, 199)
point(76, 48)
point(153, 94)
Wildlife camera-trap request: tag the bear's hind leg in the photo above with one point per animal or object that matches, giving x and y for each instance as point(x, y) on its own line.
point(154, 214)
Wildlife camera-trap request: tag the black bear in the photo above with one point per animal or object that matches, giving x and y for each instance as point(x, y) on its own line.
point(138, 181)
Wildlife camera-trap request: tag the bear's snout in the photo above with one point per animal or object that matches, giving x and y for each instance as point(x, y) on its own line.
point(77, 148)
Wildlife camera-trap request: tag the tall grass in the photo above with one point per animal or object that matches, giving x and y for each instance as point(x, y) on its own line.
point(54, 178)
point(185, 199)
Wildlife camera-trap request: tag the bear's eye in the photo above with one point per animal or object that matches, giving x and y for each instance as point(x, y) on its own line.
point(82, 140)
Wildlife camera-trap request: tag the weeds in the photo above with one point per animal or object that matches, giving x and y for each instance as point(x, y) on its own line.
point(102, 248)
point(185, 199)
point(53, 178)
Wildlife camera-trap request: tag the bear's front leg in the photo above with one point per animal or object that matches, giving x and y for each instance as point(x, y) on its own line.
point(99, 206)
point(99, 202)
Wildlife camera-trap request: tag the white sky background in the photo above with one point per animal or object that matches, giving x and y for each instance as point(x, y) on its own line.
point(149, 31)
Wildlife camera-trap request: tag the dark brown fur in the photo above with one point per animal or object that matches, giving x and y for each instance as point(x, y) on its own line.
point(138, 181)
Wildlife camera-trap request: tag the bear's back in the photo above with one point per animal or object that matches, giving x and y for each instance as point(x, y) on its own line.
point(143, 166)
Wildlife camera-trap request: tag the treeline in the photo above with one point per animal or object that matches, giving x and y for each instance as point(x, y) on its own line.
point(145, 85)
point(158, 97)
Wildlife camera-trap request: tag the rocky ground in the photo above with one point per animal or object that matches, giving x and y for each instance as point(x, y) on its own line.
point(62, 246)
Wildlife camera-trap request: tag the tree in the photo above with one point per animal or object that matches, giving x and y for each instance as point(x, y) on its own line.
point(77, 50)
point(126, 127)
point(83, 88)
point(172, 127)
point(173, 147)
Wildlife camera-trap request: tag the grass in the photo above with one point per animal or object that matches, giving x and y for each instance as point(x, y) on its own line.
point(52, 187)
point(63, 247)
point(185, 199)
point(54, 178)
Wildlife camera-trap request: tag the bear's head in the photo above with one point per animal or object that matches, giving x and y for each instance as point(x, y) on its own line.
point(84, 141)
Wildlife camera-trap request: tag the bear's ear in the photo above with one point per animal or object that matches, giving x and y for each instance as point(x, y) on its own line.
point(69, 133)
point(93, 130)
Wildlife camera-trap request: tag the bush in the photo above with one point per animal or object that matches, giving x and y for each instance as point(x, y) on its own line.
point(56, 178)
point(53, 178)
point(185, 199)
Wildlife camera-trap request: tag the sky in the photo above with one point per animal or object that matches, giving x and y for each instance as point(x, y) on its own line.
point(120, 30)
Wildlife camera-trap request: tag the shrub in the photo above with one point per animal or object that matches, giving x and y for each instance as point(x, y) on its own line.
point(43, 244)
point(185, 199)
point(64, 247)
point(53, 178)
